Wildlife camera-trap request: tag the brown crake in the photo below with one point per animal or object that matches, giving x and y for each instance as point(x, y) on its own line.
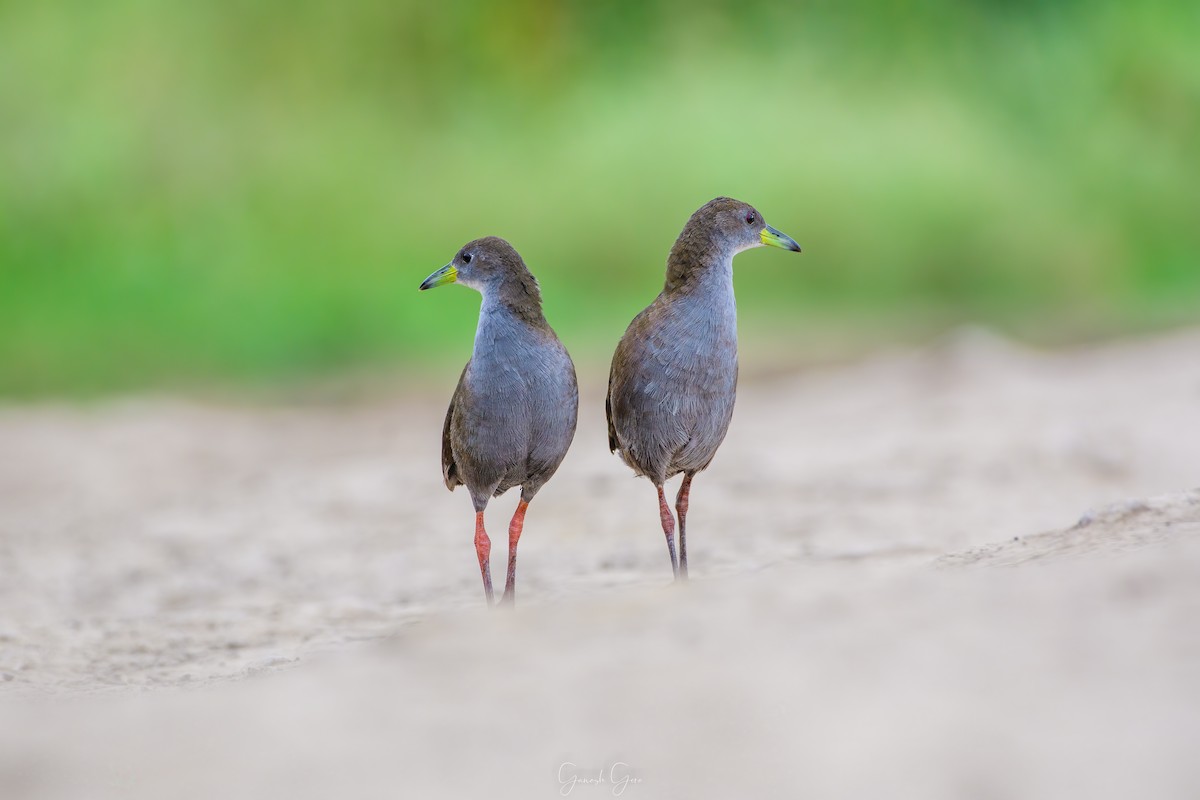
point(673, 380)
point(512, 416)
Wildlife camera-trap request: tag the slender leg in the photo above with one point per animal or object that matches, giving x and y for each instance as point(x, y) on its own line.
point(681, 506)
point(668, 526)
point(514, 536)
point(483, 549)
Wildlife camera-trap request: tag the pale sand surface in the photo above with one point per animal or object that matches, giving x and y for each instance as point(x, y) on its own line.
point(968, 570)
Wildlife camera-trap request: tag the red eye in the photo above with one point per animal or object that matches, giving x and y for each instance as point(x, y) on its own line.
point(749, 219)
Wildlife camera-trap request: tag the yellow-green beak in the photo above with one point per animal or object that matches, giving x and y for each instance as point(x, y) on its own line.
point(447, 274)
point(776, 239)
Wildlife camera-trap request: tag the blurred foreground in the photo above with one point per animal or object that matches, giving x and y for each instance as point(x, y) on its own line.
point(872, 614)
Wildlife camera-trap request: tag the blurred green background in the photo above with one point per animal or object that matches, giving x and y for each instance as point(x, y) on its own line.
point(237, 192)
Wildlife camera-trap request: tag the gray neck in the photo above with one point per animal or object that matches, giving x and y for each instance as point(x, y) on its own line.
point(705, 304)
point(498, 324)
point(711, 284)
point(717, 276)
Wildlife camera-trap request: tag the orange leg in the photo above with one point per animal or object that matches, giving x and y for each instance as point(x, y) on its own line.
point(668, 526)
point(514, 536)
point(483, 549)
point(681, 507)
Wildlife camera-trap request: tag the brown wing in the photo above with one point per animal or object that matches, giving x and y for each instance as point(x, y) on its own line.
point(620, 357)
point(449, 468)
point(612, 432)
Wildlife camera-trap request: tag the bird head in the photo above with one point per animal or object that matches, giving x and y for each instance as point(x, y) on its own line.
point(735, 226)
point(482, 265)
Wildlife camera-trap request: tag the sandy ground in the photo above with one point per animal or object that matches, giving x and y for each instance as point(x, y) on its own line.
point(969, 570)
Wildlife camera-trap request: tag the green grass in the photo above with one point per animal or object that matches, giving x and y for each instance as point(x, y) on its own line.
point(247, 192)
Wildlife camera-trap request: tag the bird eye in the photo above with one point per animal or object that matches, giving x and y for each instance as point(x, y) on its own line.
point(749, 219)
point(466, 258)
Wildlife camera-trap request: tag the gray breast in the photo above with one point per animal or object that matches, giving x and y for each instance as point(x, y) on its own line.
point(674, 383)
point(514, 414)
